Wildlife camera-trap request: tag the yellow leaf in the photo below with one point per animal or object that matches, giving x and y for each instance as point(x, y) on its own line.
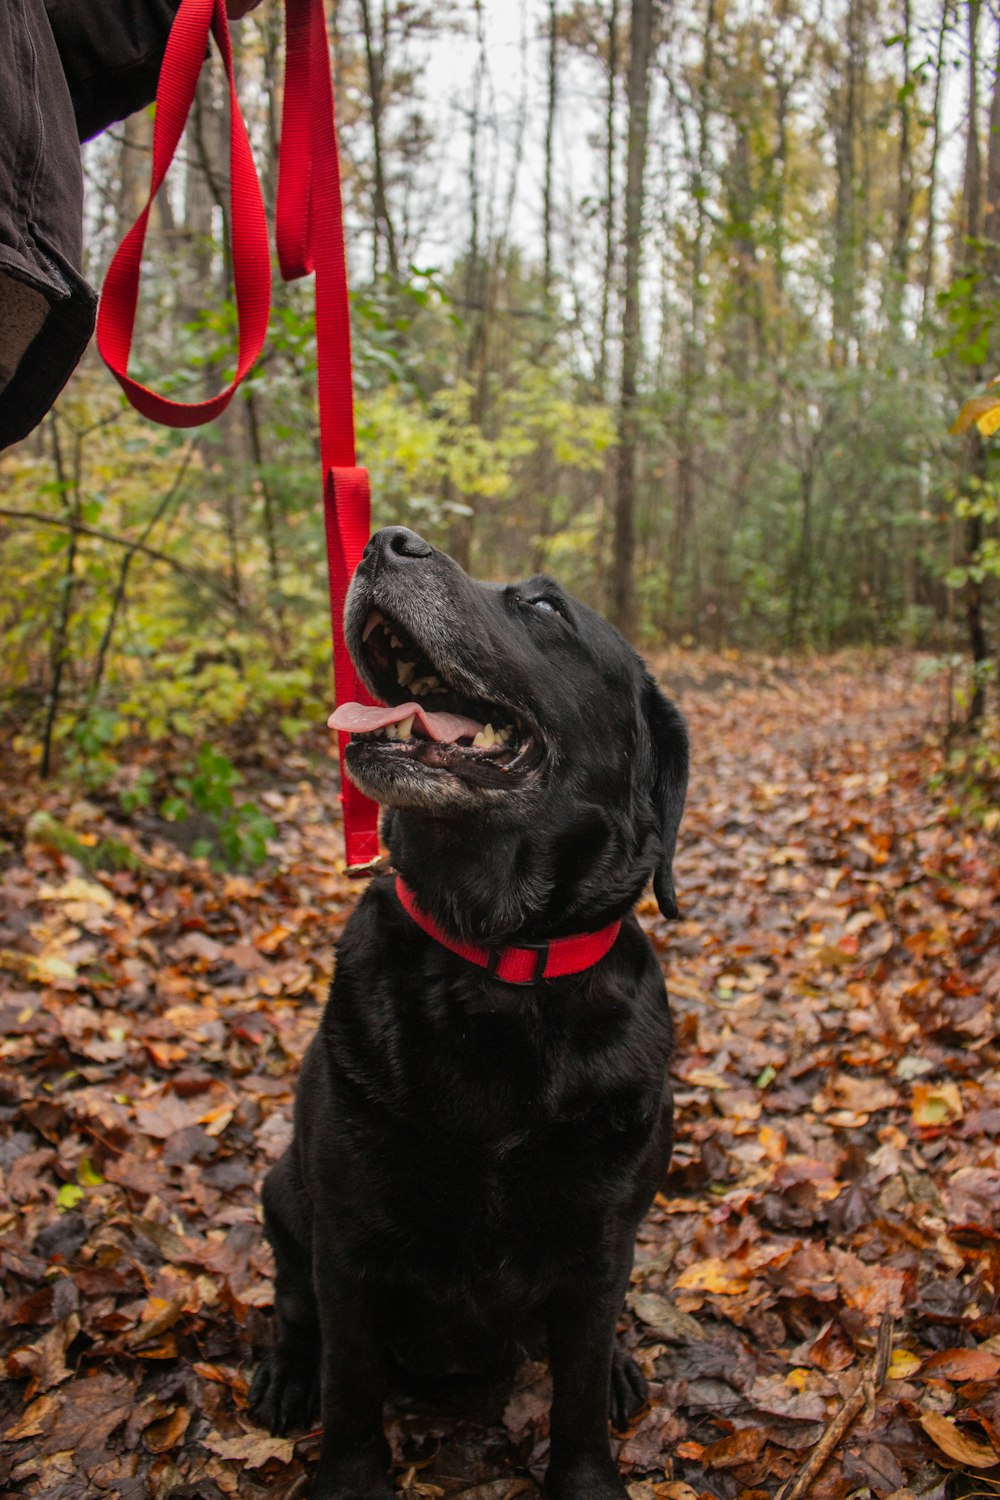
point(903, 1364)
point(713, 1275)
point(984, 411)
point(704, 1078)
point(49, 967)
point(78, 890)
point(936, 1104)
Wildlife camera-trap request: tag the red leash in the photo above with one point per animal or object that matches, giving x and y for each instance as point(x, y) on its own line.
point(310, 237)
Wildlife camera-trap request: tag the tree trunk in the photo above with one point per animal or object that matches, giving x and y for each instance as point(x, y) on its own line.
point(59, 656)
point(927, 282)
point(609, 201)
point(550, 126)
point(623, 563)
point(375, 59)
point(693, 356)
point(973, 255)
point(900, 253)
point(846, 236)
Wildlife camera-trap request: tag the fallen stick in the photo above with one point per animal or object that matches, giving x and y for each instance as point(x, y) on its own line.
point(861, 1400)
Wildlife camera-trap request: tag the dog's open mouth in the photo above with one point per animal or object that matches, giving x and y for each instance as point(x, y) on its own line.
point(423, 716)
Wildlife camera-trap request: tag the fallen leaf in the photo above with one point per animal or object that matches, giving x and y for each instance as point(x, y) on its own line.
point(33, 1421)
point(714, 1275)
point(903, 1363)
point(861, 1095)
point(962, 1364)
point(253, 1450)
point(936, 1104)
point(664, 1319)
point(740, 1447)
point(951, 1440)
point(161, 1436)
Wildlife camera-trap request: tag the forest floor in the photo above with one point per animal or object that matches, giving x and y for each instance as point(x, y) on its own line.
point(835, 979)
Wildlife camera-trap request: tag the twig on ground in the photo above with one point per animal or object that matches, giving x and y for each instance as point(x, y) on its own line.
point(860, 1402)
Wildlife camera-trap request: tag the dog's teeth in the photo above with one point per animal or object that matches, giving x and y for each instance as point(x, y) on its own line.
point(390, 732)
point(431, 684)
point(375, 618)
point(486, 738)
point(405, 728)
point(505, 735)
point(404, 672)
point(395, 641)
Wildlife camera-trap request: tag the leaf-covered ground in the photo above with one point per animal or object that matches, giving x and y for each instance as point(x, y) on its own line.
point(835, 980)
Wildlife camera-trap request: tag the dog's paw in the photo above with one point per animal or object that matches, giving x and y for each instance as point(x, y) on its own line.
point(284, 1393)
point(629, 1390)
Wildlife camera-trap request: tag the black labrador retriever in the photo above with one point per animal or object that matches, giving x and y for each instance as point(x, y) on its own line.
point(484, 1115)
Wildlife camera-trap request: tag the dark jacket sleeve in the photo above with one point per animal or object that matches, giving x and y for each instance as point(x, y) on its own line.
point(111, 51)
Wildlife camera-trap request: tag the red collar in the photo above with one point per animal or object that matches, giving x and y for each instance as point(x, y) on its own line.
point(527, 964)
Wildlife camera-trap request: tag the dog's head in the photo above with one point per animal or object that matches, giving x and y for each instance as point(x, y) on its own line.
point(511, 709)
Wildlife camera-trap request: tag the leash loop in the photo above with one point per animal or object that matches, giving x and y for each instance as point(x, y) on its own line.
point(182, 62)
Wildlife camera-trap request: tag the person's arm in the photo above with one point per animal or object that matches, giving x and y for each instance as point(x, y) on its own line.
point(111, 51)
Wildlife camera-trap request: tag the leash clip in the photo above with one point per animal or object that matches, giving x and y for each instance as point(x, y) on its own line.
point(370, 867)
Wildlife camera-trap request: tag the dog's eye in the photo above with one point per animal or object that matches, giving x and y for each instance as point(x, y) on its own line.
point(545, 604)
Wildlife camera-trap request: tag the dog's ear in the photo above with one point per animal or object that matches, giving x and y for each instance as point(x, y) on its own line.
point(669, 740)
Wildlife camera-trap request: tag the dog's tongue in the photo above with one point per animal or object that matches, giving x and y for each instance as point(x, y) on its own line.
point(363, 718)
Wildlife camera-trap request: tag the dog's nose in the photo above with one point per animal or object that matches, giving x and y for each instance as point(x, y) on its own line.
point(397, 544)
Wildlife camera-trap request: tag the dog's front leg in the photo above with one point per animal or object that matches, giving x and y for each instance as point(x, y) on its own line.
point(354, 1455)
point(581, 1325)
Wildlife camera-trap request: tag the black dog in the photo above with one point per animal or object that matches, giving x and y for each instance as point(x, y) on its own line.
point(484, 1115)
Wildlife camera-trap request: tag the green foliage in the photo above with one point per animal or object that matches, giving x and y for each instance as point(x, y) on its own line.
point(107, 854)
point(969, 314)
point(982, 501)
point(240, 830)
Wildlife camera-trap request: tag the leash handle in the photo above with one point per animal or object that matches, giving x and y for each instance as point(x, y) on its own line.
point(310, 236)
point(182, 62)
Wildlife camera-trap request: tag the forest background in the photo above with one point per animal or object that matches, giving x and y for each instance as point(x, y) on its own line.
point(679, 303)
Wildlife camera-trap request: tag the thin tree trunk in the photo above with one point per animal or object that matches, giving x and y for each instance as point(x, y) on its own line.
point(550, 124)
point(609, 200)
point(900, 253)
point(693, 356)
point(60, 636)
point(130, 553)
point(927, 282)
point(623, 611)
point(133, 171)
point(975, 531)
point(845, 255)
point(972, 187)
point(257, 455)
point(375, 59)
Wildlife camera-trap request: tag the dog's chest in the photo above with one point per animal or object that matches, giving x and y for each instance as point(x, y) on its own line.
point(494, 1161)
point(511, 1213)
